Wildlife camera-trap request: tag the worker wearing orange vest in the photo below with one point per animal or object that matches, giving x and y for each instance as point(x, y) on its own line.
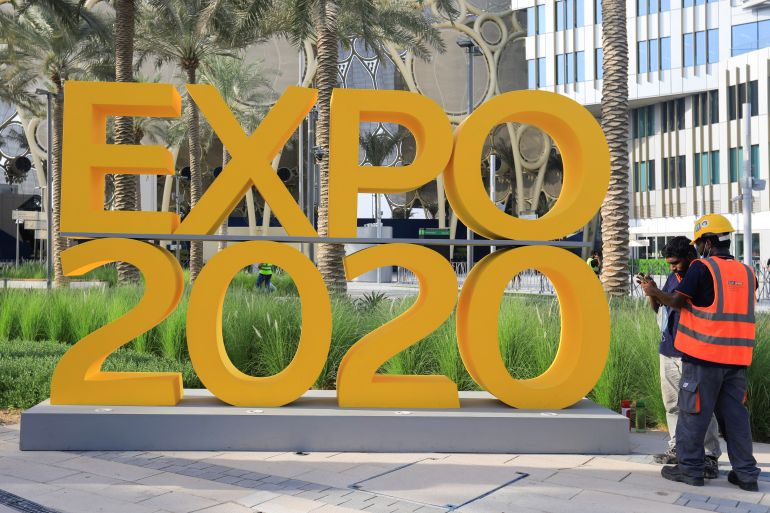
point(716, 299)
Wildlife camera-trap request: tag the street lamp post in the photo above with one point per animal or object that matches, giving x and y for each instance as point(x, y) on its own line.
point(748, 185)
point(49, 188)
point(472, 50)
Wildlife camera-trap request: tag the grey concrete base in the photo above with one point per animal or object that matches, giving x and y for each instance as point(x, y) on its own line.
point(315, 423)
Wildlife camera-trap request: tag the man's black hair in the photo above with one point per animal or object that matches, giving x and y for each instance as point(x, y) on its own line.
point(679, 247)
point(714, 238)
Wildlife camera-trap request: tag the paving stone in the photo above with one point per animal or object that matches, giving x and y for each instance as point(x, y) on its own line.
point(722, 502)
point(247, 483)
point(682, 501)
point(229, 507)
point(192, 472)
point(236, 472)
point(254, 476)
point(285, 504)
point(275, 479)
point(228, 479)
point(256, 498)
point(179, 502)
point(200, 465)
point(731, 509)
point(702, 505)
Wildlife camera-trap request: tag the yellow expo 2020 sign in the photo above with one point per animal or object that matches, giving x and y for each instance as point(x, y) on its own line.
point(584, 343)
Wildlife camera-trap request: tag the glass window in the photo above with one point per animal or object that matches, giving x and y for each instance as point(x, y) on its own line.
point(697, 172)
point(763, 34)
point(681, 164)
point(687, 3)
point(541, 72)
point(700, 2)
point(705, 168)
point(651, 175)
point(643, 176)
point(541, 19)
point(715, 167)
point(641, 57)
point(687, 49)
point(700, 48)
point(713, 46)
point(641, 7)
point(665, 5)
point(599, 64)
point(745, 38)
point(636, 177)
point(570, 14)
point(714, 105)
point(580, 65)
point(735, 105)
point(570, 68)
point(598, 11)
point(654, 55)
point(665, 53)
point(650, 119)
point(680, 114)
point(560, 15)
point(560, 69)
point(664, 121)
point(696, 114)
point(754, 97)
point(580, 13)
point(531, 74)
point(653, 6)
point(531, 22)
point(735, 163)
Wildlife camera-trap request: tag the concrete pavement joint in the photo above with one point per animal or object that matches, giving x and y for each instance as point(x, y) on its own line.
point(709, 503)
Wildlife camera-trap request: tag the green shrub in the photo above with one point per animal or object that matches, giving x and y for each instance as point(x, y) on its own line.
point(26, 368)
point(261, 332)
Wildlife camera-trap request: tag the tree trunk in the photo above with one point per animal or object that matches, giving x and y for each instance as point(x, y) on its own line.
point(125, 185)
point(615, 277)
point(196, 177)
point(59, 244)
point(329, 256)
point(223, 229)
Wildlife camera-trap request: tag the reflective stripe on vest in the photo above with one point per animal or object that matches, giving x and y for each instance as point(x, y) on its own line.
point(724, 331)
point(265, 269)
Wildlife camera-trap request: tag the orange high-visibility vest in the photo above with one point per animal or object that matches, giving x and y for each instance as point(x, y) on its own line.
point(722, 332)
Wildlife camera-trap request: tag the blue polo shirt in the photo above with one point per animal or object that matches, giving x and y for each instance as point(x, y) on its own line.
point(666, 347)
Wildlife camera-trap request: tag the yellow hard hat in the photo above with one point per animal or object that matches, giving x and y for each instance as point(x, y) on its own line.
point(713, 224)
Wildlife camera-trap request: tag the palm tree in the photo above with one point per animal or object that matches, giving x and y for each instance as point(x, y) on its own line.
point(401, 23)
point(243, 88)
point(615, 277)
point(185, 33)
point(126, 186)
point(377, 147)
point(47, 43)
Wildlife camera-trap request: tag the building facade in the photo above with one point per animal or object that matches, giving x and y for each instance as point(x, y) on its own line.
point(692, 64)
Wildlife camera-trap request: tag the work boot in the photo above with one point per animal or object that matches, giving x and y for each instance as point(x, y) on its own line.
point(675, 473)
point(749, 486)
point(666, 458)
point(711, 467)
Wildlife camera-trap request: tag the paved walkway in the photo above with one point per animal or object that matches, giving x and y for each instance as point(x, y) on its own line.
point(241, 482)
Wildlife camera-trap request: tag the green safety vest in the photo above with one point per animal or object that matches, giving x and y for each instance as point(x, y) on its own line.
point(593, 268)
point(266, 269)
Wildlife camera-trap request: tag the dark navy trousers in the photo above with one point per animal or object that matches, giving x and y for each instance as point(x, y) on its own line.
point(703, 391)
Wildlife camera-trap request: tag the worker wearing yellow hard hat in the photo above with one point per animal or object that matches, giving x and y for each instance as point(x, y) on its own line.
point(712, 224)
point(716, 336)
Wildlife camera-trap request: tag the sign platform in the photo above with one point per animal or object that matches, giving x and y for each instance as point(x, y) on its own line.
point(315, 423)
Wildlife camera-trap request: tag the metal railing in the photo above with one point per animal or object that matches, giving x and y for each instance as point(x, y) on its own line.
point(534, 282)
